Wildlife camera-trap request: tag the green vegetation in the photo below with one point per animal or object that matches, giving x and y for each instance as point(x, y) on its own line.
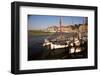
point(38, 33)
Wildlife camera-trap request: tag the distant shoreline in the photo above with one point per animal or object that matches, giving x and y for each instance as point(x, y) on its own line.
point(38, 33)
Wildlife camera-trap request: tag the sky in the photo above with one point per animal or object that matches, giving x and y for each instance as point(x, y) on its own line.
point(40, 22)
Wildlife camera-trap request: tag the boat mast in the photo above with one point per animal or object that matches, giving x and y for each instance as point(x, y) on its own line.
point(85, 21)
point(60, 24)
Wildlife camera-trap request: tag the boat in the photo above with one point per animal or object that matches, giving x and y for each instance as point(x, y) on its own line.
point(62, 39)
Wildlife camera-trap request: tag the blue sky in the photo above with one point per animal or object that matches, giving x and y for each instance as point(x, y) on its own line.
point(40, 22)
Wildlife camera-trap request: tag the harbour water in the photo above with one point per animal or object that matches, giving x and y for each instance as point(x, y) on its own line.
point(36, 50)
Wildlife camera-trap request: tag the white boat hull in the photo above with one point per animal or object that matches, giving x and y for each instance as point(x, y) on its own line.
point(54, 46)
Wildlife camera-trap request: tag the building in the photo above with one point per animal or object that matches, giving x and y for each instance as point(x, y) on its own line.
point(69, 28)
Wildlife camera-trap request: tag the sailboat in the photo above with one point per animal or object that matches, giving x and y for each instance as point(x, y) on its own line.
point(61, 39)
